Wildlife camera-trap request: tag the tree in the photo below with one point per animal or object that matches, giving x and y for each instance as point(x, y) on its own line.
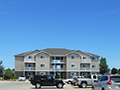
point(119, 71)
point(103, 66)
point(1, 68)
point(114, 71)
point(9, 73)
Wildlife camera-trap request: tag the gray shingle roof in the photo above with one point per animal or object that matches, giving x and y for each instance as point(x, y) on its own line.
point(55, 51)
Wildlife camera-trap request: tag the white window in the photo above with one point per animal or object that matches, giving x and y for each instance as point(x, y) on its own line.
point(42, 57)
point(30, 57)
point(42, 65)
point(30, 65)
point(93, 66)
point(42, 73)
point(73, 65)
point(30, 74)
point(85, 66)
point(94, 73)
point(84, 57)
point(73, 57)
point(85, 74)
point(73, 74)
point(93, 58)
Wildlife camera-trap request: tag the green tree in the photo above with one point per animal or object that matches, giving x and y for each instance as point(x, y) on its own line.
point(119, 71)
point(103, 66)
point(9, 73)
point(114, 71)
point(1, 68)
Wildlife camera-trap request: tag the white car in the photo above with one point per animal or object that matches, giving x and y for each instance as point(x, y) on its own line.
point(69, 81)
point(22, 78)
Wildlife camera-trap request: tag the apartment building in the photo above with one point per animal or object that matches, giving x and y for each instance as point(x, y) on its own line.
point(62, 63)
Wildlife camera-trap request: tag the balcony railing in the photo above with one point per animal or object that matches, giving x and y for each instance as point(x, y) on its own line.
point(30, 60)
point(85, 69)
point(29, 68)
point(85, 61)
point(57, 61)
point(57, 69)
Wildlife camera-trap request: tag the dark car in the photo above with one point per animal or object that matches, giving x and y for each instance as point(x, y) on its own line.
point(46, 80)
point(5, 76)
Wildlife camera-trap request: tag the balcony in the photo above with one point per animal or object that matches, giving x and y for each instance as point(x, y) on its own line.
point(85, 61)
point(29, 60)
point(57, 69)
point(85, 69)
point(57, 62)
point(29, 68)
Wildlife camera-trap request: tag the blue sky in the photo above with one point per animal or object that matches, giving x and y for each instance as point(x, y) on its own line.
point(88, 25)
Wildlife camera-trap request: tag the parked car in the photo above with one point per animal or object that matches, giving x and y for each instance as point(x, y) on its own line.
point(74, 80)
point(46, 80)
point(88, 81)
point(22, 78)
point(70, 81)
point(107, 82)
point(5, 77)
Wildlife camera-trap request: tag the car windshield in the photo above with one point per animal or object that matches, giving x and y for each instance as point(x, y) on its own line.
point(115, 78)
point(22, 76)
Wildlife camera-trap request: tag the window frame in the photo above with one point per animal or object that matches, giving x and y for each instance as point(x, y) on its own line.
point(42, 57)
point(73, 57)
point(85, 57)
point(72, 73)
point(30, 57)
point(94, 58)
point(84, 67)
point(44, 65)
point(73, 64)
point(95, 66)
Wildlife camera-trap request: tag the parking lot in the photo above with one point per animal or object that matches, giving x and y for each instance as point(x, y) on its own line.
point(16, 85)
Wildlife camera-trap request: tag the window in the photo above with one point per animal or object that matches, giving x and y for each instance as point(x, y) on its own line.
point(73, 65)
point(93, 58)
point(73, 74)
point(30, 65)
point(49, 77)
point(42, 65)
point(42, 57)
point(42, 73)
point(73, 57)
point(30, 57)
point(84, 57)
point(104, 78)
point(94, 73)
point(84, 66)
point(85, 74)
point(93, 66)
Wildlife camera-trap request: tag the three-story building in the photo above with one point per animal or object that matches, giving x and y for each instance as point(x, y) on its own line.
point(63, 63)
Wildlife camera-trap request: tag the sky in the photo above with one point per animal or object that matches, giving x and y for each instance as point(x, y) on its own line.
point(88, 25)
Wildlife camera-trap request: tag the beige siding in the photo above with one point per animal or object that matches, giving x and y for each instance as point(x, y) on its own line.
point(19, 62)
point(45, 61)
point(97, 65)
point(73, 61)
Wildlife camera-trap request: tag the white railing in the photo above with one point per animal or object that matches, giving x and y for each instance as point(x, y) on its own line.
point(57, 61)
point(29, 60)
point(29, 68)
point(85, 61)
point(85, 69)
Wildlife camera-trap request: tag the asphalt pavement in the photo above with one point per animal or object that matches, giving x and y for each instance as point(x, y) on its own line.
point(16, 85)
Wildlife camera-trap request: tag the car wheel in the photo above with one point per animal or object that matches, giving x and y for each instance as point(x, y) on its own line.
point(59, 85)
point(69, 82)
point(83, 85)
point(37, 85)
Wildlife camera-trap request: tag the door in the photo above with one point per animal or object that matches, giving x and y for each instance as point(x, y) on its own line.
point(44, 80)
point(50, 81)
